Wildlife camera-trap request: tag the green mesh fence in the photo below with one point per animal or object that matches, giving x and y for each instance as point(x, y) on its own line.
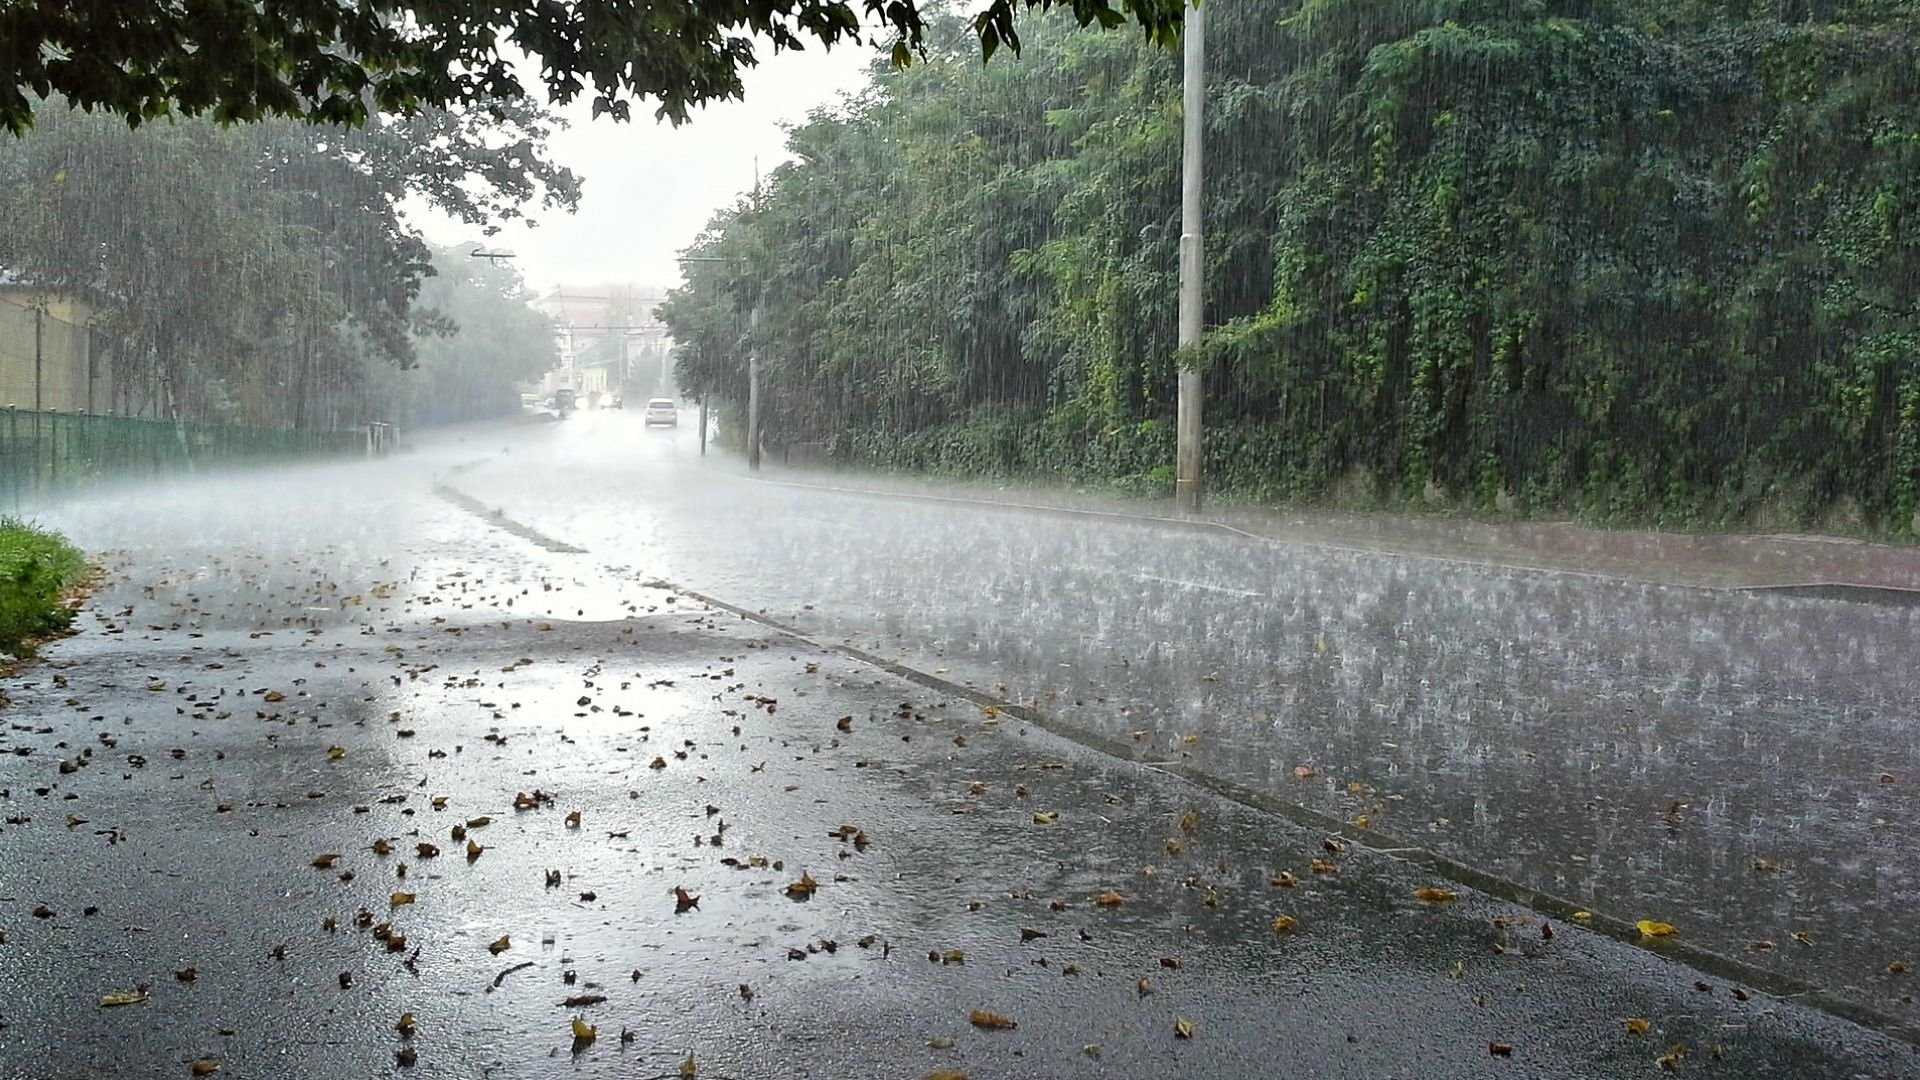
point(45, 453)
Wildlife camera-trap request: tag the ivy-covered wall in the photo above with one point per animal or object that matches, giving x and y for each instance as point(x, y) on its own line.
point(1652, 262)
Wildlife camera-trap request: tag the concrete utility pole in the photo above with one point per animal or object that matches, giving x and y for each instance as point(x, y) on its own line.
point(753, 389)
point(1187, 480)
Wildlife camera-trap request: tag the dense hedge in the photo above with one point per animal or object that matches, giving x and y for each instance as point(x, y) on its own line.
point(1638, 261)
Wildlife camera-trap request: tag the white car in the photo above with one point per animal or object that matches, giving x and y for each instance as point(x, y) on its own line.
point(662, 411)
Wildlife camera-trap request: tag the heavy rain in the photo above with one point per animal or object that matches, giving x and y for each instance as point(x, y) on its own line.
point(1314, 537)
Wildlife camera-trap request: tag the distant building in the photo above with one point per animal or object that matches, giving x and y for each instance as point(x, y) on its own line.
point(51, 357)
point(611, 341)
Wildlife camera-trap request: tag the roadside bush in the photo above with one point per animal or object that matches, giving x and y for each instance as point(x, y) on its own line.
point(36, 566)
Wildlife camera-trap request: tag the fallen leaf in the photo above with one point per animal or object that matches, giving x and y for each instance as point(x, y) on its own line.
point(335, 753)
point(1182, 1028)
point(573, 820)
point(1500, 1049)
point(480, 822)
point(688, 1067)
point(1282, 924)
point(684, 900)
point(326, 861)
point(993, 1021)
point(579, 1001)
point(1651, 928)
point(1046, 817)
point(1435, 896)
point(1804, 937)
point(381, 847)
point(474, 850)
point(1321, 866)
point(1638, 1026)
point(125, 997)
point(500, 946)
point(845, 723)
point(583, 1031)
point(400, 899)
point(273, 696)
point(1028, 933)
point(1110, 898)
point(1899, 967)
point(1282, 880)
point(804, 888)
point(187, 975)
point(203, 1067)
point(405, 1026)
point(1304, 772)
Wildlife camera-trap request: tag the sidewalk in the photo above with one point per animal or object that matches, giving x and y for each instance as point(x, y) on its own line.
point(1705, 560)
point(198, 789)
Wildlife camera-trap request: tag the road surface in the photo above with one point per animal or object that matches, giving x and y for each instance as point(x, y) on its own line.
point(290, 681)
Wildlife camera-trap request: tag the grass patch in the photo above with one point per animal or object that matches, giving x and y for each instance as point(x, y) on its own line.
point(36, 568)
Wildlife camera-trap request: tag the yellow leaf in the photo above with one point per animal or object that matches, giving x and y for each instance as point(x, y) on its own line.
point(498, 947)
point(1182, 1028)
point(405, 1026)
point(946, 1074)
point(274, 696)
point(1435, 896)
point(327, 860)
point(1638, 1026)
point(1046, 817)
point(993, 1021)
point(1651, 928)
point(1583, 916)
point(1282, 923)
point(582, 1031)
point(125, 997)
point(803, 888)
point(689, 1068)
point(1110, 898)
point(335, 753)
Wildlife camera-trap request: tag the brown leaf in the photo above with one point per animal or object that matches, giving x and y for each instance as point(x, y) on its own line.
point(1282, 923)
point(992, 1021)
point(1304, 772)
point(1434, 895)
point(203, 1067)
point(502, 945)
point(1638, 1025)
point(1028, 933)
point(1281, 880)
point(326, 861)
point(684, 900)
point(804, 888)
point(1500, 1049)
point(186, 975)
point(845, 723)
point(573, 820)
point(579, 1000)
point(1110, 898)
point(1320, 866)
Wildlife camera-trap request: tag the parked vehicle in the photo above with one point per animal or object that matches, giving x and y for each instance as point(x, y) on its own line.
point(564, 402)
point(663, 411)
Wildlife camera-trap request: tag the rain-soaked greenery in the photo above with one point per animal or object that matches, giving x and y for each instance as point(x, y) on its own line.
point(264, 274)
point(1633, 260)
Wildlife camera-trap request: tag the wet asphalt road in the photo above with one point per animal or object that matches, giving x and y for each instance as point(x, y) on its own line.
point(1742, 765)
point(317, 663)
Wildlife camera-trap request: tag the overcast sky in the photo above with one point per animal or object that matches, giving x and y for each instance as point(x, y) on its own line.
point(649, 188)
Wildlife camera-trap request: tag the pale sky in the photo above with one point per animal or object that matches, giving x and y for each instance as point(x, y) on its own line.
point(648, 188)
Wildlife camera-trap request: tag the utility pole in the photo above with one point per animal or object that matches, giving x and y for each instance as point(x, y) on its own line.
point(753, 388)
point(39, 355)
point(1187, 483)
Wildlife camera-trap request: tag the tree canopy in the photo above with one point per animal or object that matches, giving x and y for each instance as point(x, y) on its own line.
point(327, 61)
point(1629, 259)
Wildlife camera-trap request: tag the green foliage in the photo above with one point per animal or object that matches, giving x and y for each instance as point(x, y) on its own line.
point(1633, 261)
point(36, 567)
point(344, 63)
point(260, 275)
